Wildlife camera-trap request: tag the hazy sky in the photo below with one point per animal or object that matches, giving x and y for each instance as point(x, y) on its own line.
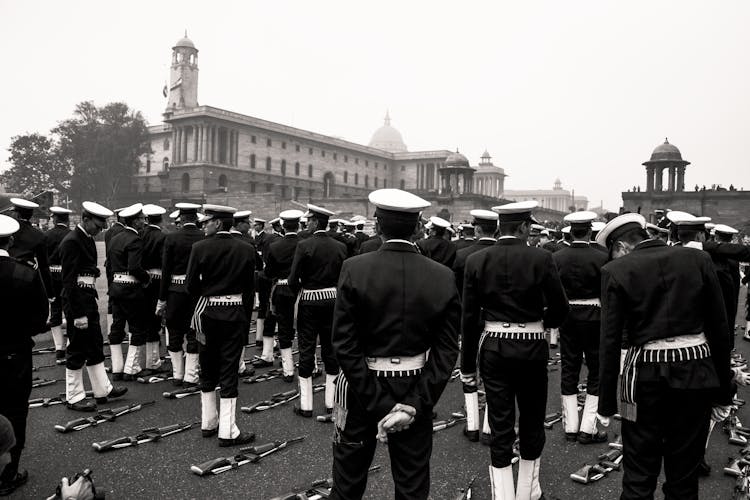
point(582, 91)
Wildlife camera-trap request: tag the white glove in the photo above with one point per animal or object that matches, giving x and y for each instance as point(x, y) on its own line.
point(603, 420)
point(399, 418)
point(720, 413)
point(81, 323)
point(79, 490)
point(469, 379)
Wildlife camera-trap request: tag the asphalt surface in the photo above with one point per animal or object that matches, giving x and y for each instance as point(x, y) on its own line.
point(162, 469)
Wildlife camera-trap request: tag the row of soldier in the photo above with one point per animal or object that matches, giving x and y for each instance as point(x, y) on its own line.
point(512, 294)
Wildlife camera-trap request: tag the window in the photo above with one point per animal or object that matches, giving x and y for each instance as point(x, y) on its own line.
point(296, 169)
point(268, 142)
point(367, 181)
point(166, 144)
point(402, 168)
point(346, 159)
point(322, 153)
point(268, 163)
point(222, 181)
point(283, 144)
point(402, 184)
point(356, 179)
point(356, 161)
point(346, 177)
point(385, 167)
point(384, 184)
point(253, 186)
point(252, 139)
point(147, 188)
point(283, 167)
point(296, 147)
point(376, 165)
point(185, 182)
point(367, 163)
point(375, 185)
point(328, 181)
point(309, 170)
point(269, 188)
point(148, 164)
point(252, 160)
point(297, 192)
point(165, 162)
point(335, 156)
point(283, 192)
point(310, 150)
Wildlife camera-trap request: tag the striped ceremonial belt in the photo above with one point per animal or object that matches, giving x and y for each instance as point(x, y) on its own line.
point(340, 409)
point(154, 273)
point(125, 279)
point(86, 281)
point(178, 279)
point(225, 300)
point(282, 282)
point(55, 269)
point(318, 294)
point(669, 350)
point(509, 331)
point(397, 366)
point(585, 302)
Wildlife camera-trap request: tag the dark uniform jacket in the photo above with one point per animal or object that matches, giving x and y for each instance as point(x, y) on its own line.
point(317, 262)
point(361, 238)
point(280, 256)
point(125, 255)
point(459, 265)
point(515, 283)
point(726, 258)
point(371, 244)
point(52, 240)
point(30, 248)
point(439, 250)
point(656, 292)
point(113, 231)
point(221, 265)
point(153, 247)
point(23, 305)
point(78, 258)
point(580, 267)
point(175, 256)
point(394, 302)
point(464, 243)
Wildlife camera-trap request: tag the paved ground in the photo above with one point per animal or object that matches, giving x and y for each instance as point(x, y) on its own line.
point(162, 470)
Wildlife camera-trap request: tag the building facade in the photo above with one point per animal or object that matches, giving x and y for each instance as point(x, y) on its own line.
point(556, 198)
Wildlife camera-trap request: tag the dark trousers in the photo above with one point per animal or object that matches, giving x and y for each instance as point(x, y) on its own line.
point(153, 322)
point(283, 304)
point(85, 347)
point(579, 339)
point(179, 311)
point(354, 448)
point(133, 311)
point(264, 296)
point(672, 424)
point(15, 384)
point(509, 381)
point(56, 307)
point(117, 328)
point(315, 320)
point(220, 356)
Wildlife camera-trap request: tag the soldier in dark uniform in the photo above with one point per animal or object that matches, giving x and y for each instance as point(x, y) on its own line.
point(436, 247)
point(263, 285)
point(677, 363)
point(394, 306)
point(29, 243)
point(313, 276)
point(53, 238)
point(580, 266)
point(219, 274)
point(129, 281)
point(278, 265)
point(268, 326)
point(553, 245)
point(115, 320)
point(359, 230)
point(465, 236)
point(485, 228)
point(512, 292)
point(175, 304)
point(373, 242)
point(85, 346)
point(276, 228)
point(23, 305)
point(153, 250)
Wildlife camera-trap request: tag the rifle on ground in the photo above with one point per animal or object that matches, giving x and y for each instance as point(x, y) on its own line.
point(44, 350)
point(145, 436)
point(551, 419)
point(440, 425)
point(41, 382)
point(155, 379)
point(223, 464)
point(106, 415)
point(318, 489)
point(263, 377)
point(55, 400)
point(278, 399)
point(37, 368)
point(466, 493)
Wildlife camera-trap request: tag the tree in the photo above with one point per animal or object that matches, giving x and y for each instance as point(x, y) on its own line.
point(103, 145)
point(37, 166)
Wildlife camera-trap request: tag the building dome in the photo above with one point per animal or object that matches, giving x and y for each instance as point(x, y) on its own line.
point(388, 138)
point(666, 152)
point(456, 160)
point(185, 42)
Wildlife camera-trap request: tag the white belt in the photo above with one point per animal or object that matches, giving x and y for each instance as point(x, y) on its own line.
point(125, 279)
point(225, 300)
point(86, 281)
point(154, 273)
point(504, 327)
point(397, 365)
point(55, 269)
point(318, 294)
point(284, 281)
point(678, 342)
point(585, 302)
point(179, 279)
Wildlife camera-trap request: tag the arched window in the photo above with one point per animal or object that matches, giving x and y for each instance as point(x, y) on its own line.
point(402, 184)
point(346, 177)
point(356, 178)
point(165, 162)
point(148, 163)
point(296, 169)
point(328, 181)
point(268, 163)
point(384, 184)
point(252, 160)
point(376, 182)
point(367, 181)
point(309, 170)
point(222, 181)
point(283, 168)
point(185, 182)
point(166, 144)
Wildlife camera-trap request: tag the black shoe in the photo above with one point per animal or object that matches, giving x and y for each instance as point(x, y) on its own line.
point(571, 436)
point(207, 433)
point(302, 413)
point(247, 372)
point(177, 382)
point(586, 438)
point(243, 438)
point(116, 392)
point(60, 356)
point(288, 379)
point(329, 410)
point(316, 373)
point(82, 405)
point(703, 468)
point(262, 363)
point(259, 344)
point(9, 486)
point(127, 377)
point(472, 436)
point(485, 438)
point(117, 377)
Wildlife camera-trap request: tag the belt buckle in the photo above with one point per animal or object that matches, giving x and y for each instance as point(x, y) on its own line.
point(671, 339)
point(521, 325)
point(506, 325)
point(395, 361)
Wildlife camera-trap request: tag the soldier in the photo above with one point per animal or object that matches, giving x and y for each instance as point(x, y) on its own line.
point(79, 273)
point(29, 243)
point(278, 265)
point(175, 304)
point(359, 230)
point(389, 385)
point(263, 285)
point(512, 292)
point(23, 305)
point(276, 227)
point(313, 276)
point(677, 362)
point(129, 280)
point(580, 266)
point(115, 321)
point(435, 246)
point(465, 236)
point(53, 237)
point(484, 227)
point(373, 242)
point(219, 274)
point(153, 250)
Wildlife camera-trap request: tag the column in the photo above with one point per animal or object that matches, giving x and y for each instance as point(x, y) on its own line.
point(212, 146)
point(205, 143)
point(659, 175)
point(195, 143)
point(174, 146)
point(649, 179)
point(200, 143)
point(670, 177)
point(185, 145)
point(236, 148)
point(178, 146)
point(681, 178)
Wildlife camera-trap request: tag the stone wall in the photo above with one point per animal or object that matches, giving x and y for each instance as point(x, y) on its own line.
point(725, 207)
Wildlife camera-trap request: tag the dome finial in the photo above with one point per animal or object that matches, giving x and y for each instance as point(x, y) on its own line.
point(666, 140)
point(387, 119)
